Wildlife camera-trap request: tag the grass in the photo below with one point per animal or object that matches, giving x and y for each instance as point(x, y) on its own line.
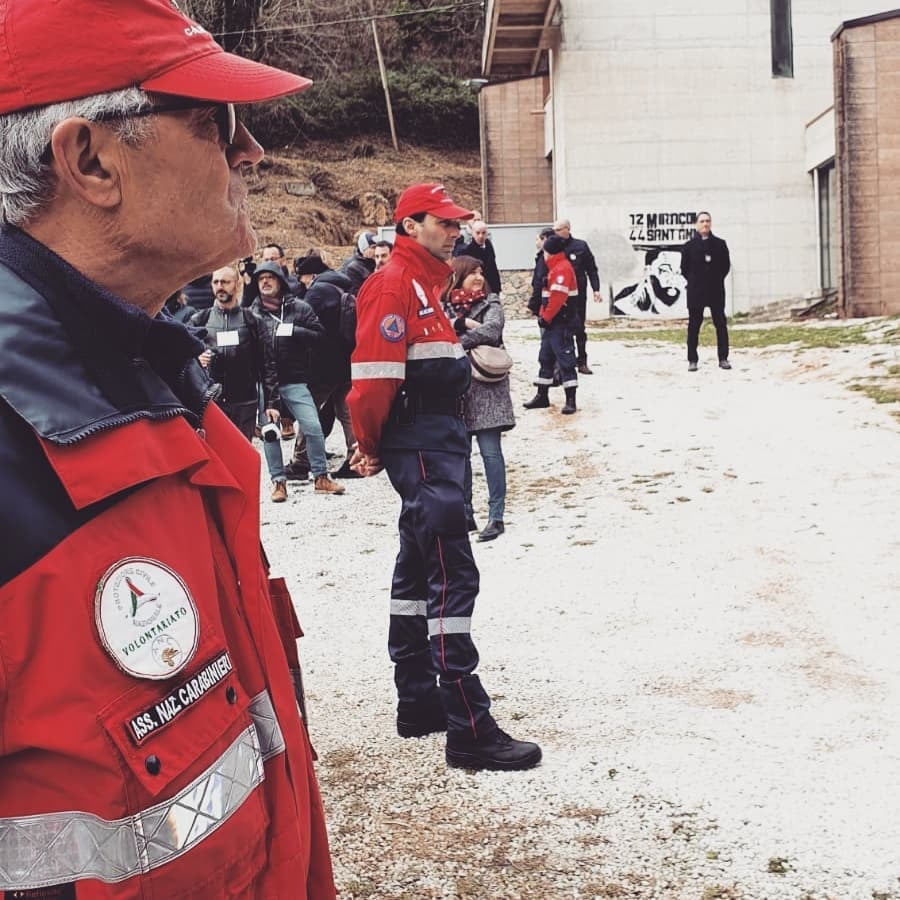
point(804, 336)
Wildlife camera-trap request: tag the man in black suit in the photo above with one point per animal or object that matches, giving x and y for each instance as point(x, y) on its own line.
point(705, 263)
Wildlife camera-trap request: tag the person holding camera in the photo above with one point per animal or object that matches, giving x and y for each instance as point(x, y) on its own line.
point(290, 329)
point(247, 268)
point(478, 319)
point(557, 319)
point(234, 353)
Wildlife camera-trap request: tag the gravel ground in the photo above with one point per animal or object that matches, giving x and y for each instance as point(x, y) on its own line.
point(694, 610)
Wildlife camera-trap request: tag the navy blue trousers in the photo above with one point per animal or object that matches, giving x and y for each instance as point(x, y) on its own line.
point(433, 592)
point(557, 348)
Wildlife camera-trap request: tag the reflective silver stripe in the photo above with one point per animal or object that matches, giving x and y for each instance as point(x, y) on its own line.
point(435, 350)
point(361, 371)
point(450, 625)
point(407, 607)
point(37, 851)
point(271, 740)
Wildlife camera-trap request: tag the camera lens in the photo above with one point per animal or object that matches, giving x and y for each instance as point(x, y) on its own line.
point(270, 432)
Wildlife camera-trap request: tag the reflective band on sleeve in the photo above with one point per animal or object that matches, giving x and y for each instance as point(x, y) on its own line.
point(271, 740)
point(55, 848)
point(435, 350)
point(362, 371)
point(451, 625)
point(407, 607)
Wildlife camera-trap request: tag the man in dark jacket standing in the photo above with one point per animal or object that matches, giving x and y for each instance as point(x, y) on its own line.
point(582, 260)
point(705, 263)
point(481, 248)
point(234, 353)
point(290, 330)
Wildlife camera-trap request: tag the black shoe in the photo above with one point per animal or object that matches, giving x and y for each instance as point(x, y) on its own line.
point(585, 369)
point(724, 364)
point(293, 473)
point(345, 471)
point(539, 401)
point(410, 725)
point(496, 751)
point(494, 530)
point(692, 367)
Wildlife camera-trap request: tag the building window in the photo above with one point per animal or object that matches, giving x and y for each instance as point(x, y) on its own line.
point(825, 189)
point(782, 39)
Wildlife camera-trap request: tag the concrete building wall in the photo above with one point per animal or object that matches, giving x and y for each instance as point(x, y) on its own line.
point(867, 113)
point(665, 109)
point(518, 182)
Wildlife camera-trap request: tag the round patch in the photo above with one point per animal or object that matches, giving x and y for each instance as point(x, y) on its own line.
point(146, 618)
point(393, 328)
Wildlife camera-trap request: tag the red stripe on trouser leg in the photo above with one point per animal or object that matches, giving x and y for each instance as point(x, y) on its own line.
point(422, 466)
point(440, 552)
point(465, 700)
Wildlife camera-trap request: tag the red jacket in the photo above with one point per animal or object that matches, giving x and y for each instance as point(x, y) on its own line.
point(561, 285)
point(150, 742)
point(403, 337)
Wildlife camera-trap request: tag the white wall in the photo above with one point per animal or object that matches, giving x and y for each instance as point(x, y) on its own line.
point(671, 107)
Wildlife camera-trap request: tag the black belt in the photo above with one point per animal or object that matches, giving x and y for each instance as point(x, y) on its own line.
point(407, 406)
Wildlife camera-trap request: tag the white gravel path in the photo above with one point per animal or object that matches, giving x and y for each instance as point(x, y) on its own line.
point(694, 609)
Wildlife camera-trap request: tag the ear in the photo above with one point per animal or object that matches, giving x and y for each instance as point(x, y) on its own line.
point(86, 160)
point(410, 226)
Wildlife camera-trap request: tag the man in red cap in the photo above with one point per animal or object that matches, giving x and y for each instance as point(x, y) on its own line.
point(150, 741)
point(409, 373)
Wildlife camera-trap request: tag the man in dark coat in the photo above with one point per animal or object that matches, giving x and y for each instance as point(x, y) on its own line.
point(705, 263)
point(481, 248)
point(582, 260)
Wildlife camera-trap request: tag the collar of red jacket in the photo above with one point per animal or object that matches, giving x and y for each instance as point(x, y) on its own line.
point(411, 252)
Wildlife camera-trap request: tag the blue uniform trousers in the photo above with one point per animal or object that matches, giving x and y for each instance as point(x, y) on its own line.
point(433, 592)
point(557, 348)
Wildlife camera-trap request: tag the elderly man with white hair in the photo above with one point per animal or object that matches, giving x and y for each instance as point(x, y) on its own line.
point(152, 743)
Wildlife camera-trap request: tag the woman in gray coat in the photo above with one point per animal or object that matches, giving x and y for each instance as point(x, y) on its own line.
point(488, 411)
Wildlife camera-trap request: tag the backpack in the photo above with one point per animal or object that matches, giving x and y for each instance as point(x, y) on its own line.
point(347, 319)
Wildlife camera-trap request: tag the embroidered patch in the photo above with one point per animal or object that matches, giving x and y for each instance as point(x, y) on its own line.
point(147, 620)
point(560, 279)
point(393, 328)
point(150, 720)
point(425, 311)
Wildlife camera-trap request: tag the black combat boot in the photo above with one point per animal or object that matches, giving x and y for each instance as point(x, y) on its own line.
point(415, 721)
point(570, 406)
point(541, 399)
point(496, 751)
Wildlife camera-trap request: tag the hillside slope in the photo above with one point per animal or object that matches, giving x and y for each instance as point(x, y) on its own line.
point(321, 195)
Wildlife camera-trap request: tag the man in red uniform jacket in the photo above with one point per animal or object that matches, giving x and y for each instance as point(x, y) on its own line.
point(409, 373)
point(558, 320)
point(150, 740)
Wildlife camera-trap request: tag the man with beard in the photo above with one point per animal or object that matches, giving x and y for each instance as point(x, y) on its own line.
point(234, 354)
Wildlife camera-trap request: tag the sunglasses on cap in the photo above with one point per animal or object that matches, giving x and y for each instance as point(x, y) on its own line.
point(225, 116)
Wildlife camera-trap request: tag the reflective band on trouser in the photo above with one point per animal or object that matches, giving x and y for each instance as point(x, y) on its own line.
point(450, 625)
point(363, 371)
point(435, 350)
point(408, 607)
point(56, 848)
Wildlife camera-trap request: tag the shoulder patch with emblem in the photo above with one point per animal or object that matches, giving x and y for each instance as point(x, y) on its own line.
point(146, 618)
point(392, 328)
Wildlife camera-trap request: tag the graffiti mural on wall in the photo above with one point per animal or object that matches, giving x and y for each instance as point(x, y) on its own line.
point(658, 237)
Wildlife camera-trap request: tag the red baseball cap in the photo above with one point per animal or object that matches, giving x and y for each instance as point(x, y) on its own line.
point(67, 49)
point(428, 198)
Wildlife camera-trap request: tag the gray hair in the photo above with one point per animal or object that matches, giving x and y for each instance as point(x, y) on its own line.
point(26, 178)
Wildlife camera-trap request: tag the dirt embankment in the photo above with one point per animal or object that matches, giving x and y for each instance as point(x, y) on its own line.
point(321, 195)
